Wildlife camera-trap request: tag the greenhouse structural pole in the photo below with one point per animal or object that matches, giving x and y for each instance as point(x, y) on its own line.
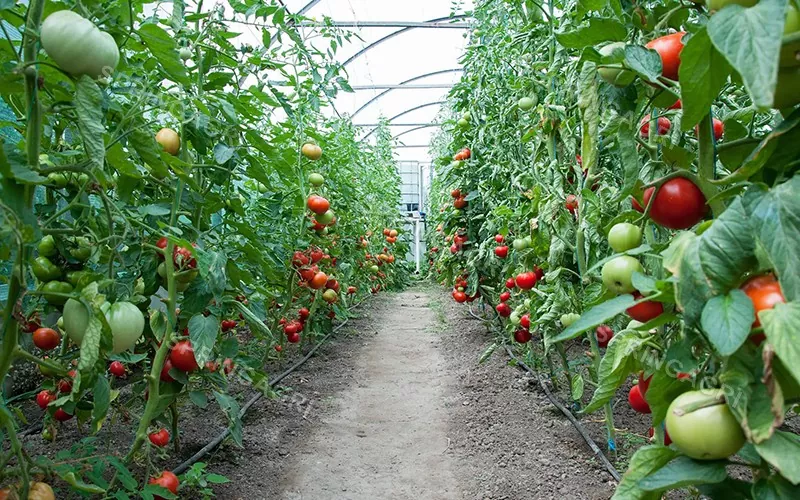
point(420, 127)
point(420, 77)
point(401, 86)
point(434, 103)
point(386, 24)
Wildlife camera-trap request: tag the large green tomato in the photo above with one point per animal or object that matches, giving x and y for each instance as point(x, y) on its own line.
point(709, 433)
point(78, 46)
point(325, 218)
point(787, 90)
point(127, 324)
point(521, 243)
point(790, 52)
point(45, 270)
point(617, 77)
point(316, 179)
point(56, 287)
point(568, 319)
point(527, 103)
point(76, 319)
point(47, 246)
point(624, 236)
point(618, 272)
point(83, 251)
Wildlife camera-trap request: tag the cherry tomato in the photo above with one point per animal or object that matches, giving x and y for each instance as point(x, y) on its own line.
point(227, 325)
point(505, 296)
point(522, 335)
point(46, 339)
point(159, 438)
point(678, 204)
point(525, 321)
point(510, 283)
point(117, 369)
point(499, 238)
point(503, 309)
point(669, 48)
point(62, 416)
point(664, 125)
point(501, 252)
point(44, 398)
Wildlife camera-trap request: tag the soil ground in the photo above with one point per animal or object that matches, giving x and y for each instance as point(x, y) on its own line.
point(399, 408)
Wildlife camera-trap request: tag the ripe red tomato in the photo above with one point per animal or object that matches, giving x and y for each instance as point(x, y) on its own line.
point(505, 296)
point(636, 400)
point(510, 283)
point(501, 252)
point(318, 204)
point(456, 193)
point(522, 336)
point(503, 309)
point(65, 385)
point(304, 313)
point(764, 291)
point(316, 256)
point(525, 321)
point(182, 356)
point(645, 311)
point(165, 376)
point(571, 203)
point(308, 273)
point(644, 383)
point(539, 272)
point(636, 205)
point(159, 438)
point(604, 334)
point(667, 440)
point(293, 338)
point(669, 47)
point(46, 339)
point(664, 125)
point(678, 105)
point(162, 244)
point(116, 369)
point(44, 398)
point(454, 248)
point(166, 480)
point(61, 415)
point(333, 284)
point(678, 204)
point(351, 290)
point(228, 366)
point(499, 238)
point(318, 281)
point(526, 281)
point(459, 296)
point(299, 259)
point(278, 348)
point(460, 203)
point(227, 325)
point(467, 153)
point(182, 257)
point(719, 129)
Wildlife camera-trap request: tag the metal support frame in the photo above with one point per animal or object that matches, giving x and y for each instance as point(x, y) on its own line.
point(434, 103)
point(414, 79)
point(437, 23)
point(413, 146)
point(366, 125)
point(401, 86)
point(429, 125)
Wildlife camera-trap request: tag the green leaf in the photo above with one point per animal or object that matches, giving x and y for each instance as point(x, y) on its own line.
point(90, 345)
point(598, 30)
point(682, 472)
point(644, 61)
point(593, 318)
point(644, 462)
point(157, 210)
point(702, 73)
point(774, 216)
point(782, 328)
point(101, 397)
point(162, 45)
point(750, 39)
point(217, 479)
point(619, 361)
point(726, 321)
point(203, 332)
point(120, 159)
point(199, 398)
point(629, 158)
point(748, 398)
point(781, 451)
point(230, 407)
point(88, 104)
point(775, 488)
point(577, 387)
point(664, 388)
point(212, 269)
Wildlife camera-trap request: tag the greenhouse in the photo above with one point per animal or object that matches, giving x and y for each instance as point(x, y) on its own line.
point(361, 249)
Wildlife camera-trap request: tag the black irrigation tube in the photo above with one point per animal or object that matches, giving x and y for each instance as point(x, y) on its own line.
point(272, 383)
point(580, 428)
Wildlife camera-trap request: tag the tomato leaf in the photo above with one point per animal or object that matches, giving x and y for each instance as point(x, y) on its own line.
point(643, 61)
point(628, 157)
point(212, 269)
point(682, 472)
point(618, 363)
point(774, 216)
point(702, 73)
point(230, 408)
point(782, 328)
point(593, 318)
point(90, 345)
point(598, 30)
point(88, 104)
point(775, 487)
point(101, 397)
point(781, 451)
point(577, 387)
point(750, 39)
point(163, 48)
point(644, 462)
point(726, 321)
point(203, 332)
point(664, 387)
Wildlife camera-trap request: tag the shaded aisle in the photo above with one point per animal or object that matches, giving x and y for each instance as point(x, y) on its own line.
point(388, 436)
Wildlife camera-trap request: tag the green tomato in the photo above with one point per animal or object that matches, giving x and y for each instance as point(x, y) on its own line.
point(568, 319)
point(520, 244)
point(127, 325)
point(185, 53)
point(261, 187)
point(787, 90)
point(463, 124)
point(57, 179)
point(624, 236)
point(76, 319)
point(77, 45)
point(709, 433)
point(326, 218)
point(47, 246)
point(187, 276)
point(56, 287)
point(316, 179)
point(374, 269)
point(527, 103)
point(617, 274)
point(45, 270)
point(617, 77)
point(467, 116)
point(138, 286)
point(790, 52)
point(83, 251)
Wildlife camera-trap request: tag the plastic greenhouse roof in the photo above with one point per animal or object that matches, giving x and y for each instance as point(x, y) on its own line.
point(411, 53)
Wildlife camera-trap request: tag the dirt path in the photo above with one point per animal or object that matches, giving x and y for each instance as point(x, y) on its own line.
point(400, 409)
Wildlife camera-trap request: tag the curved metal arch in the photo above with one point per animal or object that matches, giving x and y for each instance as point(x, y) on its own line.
point(416, 128)
point(420, 77)
point(308, 7)
point(394, 34)
point(405, 113)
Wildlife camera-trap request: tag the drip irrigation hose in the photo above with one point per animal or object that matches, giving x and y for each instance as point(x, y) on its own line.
point(272, 383)
point(580, 428)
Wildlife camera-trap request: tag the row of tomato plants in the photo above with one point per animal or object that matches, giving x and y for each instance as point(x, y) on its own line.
point(176, 210)
point(640, 160)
